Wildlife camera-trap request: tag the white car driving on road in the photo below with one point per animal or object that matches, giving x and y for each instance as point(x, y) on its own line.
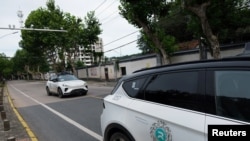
point(64, 84)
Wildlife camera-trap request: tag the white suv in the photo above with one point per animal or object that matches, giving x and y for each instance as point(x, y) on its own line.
point(178, 102)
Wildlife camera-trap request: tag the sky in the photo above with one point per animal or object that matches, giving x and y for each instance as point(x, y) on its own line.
point(119, 37)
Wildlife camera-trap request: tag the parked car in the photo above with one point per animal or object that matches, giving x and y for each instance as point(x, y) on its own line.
point(178, 102)
point(63, 84)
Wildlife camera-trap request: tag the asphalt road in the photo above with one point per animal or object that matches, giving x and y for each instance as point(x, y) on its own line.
point(54, 119)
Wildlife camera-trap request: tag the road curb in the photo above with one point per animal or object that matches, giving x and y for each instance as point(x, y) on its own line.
point(20, 118)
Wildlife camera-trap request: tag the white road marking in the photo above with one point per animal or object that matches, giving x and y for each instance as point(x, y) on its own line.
point(84, 129)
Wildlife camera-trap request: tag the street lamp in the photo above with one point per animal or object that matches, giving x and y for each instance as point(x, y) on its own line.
point(8, 34)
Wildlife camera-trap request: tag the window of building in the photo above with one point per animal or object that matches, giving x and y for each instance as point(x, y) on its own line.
point(232, 89)
point(176, 89)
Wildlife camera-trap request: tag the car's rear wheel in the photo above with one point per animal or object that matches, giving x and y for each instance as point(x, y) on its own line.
point(118, 136)
point(60, 93)
point(48, 91)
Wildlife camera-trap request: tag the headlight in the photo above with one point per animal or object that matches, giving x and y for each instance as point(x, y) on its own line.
point(65, 85)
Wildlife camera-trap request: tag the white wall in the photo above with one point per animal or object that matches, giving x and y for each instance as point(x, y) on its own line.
point(133, 65)
point(98, 72)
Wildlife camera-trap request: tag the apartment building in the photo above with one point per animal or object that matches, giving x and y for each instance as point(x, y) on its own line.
point(86, 54)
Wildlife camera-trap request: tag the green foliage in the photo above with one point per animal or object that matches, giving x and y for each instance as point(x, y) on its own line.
point(80, 34)
point(50, 44)
point(170, 44)
point(41, 45)
point(5, 66)
point(229, 20)
point(20, 59)
point(97, 57)
point(148, 11)
point(91, 28)
point(147, 15)
point(79, 64)
point(143, 46)
point(116, 65)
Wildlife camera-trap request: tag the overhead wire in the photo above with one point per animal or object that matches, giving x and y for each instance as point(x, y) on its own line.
point(105, 19)
point(121, 46)
point(100, 5)
point(121, 38)
point(104, 23)
point(106, 8)
point(109, 15)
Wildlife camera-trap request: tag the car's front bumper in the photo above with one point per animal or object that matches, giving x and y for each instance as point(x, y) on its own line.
point(75, 91)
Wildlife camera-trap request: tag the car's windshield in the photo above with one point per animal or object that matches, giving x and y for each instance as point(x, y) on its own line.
point(66, 78)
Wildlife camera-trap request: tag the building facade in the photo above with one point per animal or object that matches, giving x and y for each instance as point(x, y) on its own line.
point(87, 56)
point(109, 72)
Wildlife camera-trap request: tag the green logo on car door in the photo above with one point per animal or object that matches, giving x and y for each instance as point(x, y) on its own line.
point(160, 134)
point(160, 131)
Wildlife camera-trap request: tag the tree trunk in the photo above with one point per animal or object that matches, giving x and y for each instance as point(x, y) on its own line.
point(157, 43)
point(200, 11)
point(41, 77)
point(27, 68)
point(73, 68)
point(71, 61)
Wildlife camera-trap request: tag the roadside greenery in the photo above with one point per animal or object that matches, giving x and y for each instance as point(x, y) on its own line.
point(5, 67)
point(164, 24)
point(57, 47)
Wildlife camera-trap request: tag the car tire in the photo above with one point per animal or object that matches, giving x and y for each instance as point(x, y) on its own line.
point(60, 93)
point(85, 93)
point(118, 136)
point(48, 91)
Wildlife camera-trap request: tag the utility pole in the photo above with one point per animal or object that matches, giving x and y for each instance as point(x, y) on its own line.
point(20, 16)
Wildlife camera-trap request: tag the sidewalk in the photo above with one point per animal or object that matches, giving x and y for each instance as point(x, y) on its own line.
point(16, 131)
point(11, 128)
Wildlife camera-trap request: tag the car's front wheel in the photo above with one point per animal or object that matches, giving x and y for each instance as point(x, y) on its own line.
point(85, 93)
point(118, 136)
point(60, 93)
point(48, 91)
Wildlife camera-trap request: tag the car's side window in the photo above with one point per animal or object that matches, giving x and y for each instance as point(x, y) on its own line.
point(178, 89)
point(132, 87)
point(232, 90)
point(52, 78)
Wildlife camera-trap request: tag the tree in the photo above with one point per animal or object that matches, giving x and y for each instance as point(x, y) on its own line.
point(146, 15)
point(80, 35)
point(5, 67)
point(79, 64)
point(219, 20)
point(44, 45)
point(20, 60)
point(59, 48)
point(71, 40)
